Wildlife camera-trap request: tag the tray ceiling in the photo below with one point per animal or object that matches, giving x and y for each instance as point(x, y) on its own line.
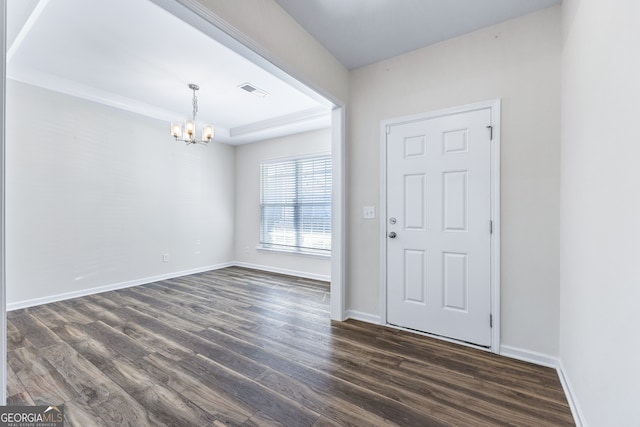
point(134, 55)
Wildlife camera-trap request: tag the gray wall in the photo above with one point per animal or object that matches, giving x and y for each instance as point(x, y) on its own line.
point(96, 196)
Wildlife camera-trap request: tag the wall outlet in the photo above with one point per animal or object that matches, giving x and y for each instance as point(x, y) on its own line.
point(369, 212)
point(165, 258)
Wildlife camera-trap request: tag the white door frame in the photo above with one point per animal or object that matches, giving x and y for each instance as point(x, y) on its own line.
point(494, 106)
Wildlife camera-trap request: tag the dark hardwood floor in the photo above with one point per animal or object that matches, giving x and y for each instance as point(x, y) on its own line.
point(241, 347)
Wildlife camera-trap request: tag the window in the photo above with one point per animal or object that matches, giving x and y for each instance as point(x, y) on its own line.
point(295, 205)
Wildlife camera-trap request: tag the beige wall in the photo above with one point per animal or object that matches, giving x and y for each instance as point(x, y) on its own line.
point(247, 188)
point(518, 61)
point(600, 211)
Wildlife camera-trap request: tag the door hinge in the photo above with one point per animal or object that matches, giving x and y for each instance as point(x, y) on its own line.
point(490, 132)
point(388, 129)
point(490, 227)
point(491, 320)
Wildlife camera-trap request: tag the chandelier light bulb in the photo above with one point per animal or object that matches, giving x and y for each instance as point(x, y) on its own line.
point(190, 127)
point(176, 130)
point(207, 132)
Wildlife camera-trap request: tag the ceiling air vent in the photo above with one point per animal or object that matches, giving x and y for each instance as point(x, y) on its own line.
point(253, 90)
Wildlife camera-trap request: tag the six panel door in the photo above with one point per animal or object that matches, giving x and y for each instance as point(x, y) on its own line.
point(439, 207)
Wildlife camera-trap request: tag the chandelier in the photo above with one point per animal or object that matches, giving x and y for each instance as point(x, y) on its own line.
point(187, 133)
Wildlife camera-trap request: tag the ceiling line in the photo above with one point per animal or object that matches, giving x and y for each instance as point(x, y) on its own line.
point(26, 28)
point(288, 119)
point(67, 87)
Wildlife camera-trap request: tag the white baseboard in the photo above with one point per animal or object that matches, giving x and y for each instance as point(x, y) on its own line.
point(529, 356)
point(286, 271)
point(130, 283)
point(505, 350)
point(364, 317)
point(551, 362)
point(91, 291)
point(578, 416)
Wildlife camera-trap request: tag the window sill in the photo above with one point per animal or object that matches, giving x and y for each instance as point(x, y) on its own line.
point(292, 252)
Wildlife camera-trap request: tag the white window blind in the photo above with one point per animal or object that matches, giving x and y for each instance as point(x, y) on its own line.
point(295, 205)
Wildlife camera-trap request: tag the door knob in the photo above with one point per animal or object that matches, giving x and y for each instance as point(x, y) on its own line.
point(392, 235)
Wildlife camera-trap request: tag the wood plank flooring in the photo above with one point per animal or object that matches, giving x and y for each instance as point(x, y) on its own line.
point(242, 347)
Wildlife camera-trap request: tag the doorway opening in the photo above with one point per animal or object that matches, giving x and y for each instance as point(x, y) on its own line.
point(204, 21)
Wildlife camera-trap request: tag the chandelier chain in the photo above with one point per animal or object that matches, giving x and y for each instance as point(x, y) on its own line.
point(195, 105)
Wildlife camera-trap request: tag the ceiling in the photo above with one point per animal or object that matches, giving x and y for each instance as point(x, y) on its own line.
point(134, 55)
point(361, 32)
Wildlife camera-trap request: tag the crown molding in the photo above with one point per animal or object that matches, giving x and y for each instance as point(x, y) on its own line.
point(276, 122)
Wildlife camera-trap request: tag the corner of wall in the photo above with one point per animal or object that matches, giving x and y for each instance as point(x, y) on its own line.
point(529, 356)
point(268, 30)
point(576, 411)
point(363, 317)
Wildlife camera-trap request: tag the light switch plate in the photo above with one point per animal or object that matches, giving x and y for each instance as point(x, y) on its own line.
point(369, 212)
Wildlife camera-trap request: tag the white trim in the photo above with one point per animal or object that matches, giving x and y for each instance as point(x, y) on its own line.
point(286, 271)
point(578, 415)
point(3, 251)
point(496, 114)
point(550, 362)
point(286, 120)
point(57, 84)
point(363, 317)
point(338, 215)
point(494, 106)
point(482, 105)
point(128, 284)
point(529, 356)
point(144, 281)
point(383, 223)
point(309, 254)
point(296, 157)
point(26, 28)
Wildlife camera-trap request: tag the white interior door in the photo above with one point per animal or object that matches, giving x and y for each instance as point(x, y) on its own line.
point(438, 226)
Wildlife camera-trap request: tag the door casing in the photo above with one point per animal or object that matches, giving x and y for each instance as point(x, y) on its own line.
point(494, 106)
